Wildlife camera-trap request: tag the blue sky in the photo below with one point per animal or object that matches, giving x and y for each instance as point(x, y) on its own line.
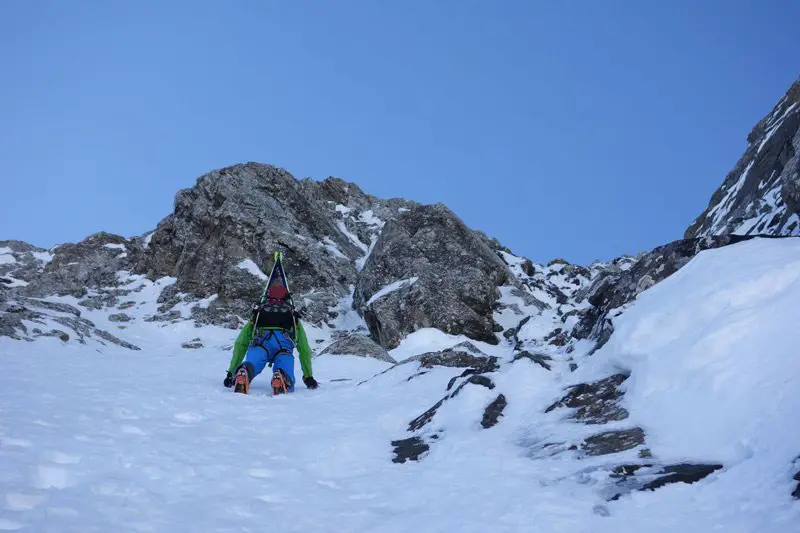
point(575, 129)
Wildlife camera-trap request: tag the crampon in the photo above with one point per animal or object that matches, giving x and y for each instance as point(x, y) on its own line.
point(279, 385)
point(241, 381)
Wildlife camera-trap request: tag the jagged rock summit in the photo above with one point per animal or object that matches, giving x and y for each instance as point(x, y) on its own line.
point(761, 195)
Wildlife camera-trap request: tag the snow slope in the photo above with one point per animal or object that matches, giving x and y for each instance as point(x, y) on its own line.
point(96, 438)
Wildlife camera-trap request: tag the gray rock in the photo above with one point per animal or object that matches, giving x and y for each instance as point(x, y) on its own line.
point(610, 442)
point(426, 417)
point(596, 402)
point(167, 317)
point(796, 491)
point(542, 360)
point(248, 211)
point(681, 473)
point(99, 301)
point(464, 355)
point(62, 335)
point(115, 340)
point(493, 412)
point(90, 264)
point(120, 317)
point(641, 477)
point(457, 278)
point(194, 344)
point(474, 379)
point(410, 449)
point(361, 345)
point(50, 306)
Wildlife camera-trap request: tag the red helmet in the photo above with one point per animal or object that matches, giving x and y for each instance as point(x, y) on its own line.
point(277, 293)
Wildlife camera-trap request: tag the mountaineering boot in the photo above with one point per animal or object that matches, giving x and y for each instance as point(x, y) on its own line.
point(241, 382)
point(279, 383)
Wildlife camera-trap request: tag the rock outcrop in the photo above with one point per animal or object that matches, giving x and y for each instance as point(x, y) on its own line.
point(428, 269)
point(761, 195)
point(361, 345)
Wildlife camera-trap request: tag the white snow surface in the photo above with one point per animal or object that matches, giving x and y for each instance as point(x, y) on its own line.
point(715, 377)
point(329, 245)
point(96, 438)
point(250, 266)
point(44, 257)
point(397, 285)
point(353, 237)
point(113, 246)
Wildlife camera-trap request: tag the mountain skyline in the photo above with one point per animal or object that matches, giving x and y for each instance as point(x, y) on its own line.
point(582, 133)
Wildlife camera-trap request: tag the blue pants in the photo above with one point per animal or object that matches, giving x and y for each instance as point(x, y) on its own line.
point(273, 347)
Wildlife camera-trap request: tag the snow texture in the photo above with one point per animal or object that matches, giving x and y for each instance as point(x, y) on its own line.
point(251, 267)
point(95, 438)
point(397, 285)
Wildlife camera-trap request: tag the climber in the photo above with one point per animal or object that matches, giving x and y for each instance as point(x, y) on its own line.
point(277, 331)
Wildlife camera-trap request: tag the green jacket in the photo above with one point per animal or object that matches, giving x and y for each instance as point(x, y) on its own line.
point(246, 335)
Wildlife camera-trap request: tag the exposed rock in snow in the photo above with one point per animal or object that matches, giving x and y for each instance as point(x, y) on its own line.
point(494, 411)
point(464, 355)
point(643, 477)
point(361, 345)
point(609, 442)
point(410, 449)
point(193, 344)
point(458, 276)
point(91, 264)
point(595, 403)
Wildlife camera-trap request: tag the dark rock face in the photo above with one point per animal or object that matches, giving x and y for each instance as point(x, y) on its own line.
point(760, 194)
point(225, 228)
point(410, 449)
point(456, 278)
point(542, 360)
point(796, 491)
point(614, 289)
point(595, 403)
point(610, 442)
point(193, 344)
point(422, 420)
point(361, 345)
point(643, 477)
point(681, 473)
point(245, 212)
point(477, 366)
point(464, 355)
point(474, 379)
point(493, 412)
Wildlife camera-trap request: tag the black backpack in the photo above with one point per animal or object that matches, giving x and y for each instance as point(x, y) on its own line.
point(275, 315)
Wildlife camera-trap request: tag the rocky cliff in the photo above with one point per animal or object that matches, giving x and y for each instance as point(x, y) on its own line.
point(761, 195)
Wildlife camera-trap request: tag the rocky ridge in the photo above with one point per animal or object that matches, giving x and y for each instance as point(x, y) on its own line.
point(399, 267)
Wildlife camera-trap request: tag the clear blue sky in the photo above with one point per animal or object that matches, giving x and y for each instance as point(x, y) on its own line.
point(580, 129)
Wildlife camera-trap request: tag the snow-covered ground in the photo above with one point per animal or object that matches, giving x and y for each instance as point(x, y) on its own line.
point(99, 438)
